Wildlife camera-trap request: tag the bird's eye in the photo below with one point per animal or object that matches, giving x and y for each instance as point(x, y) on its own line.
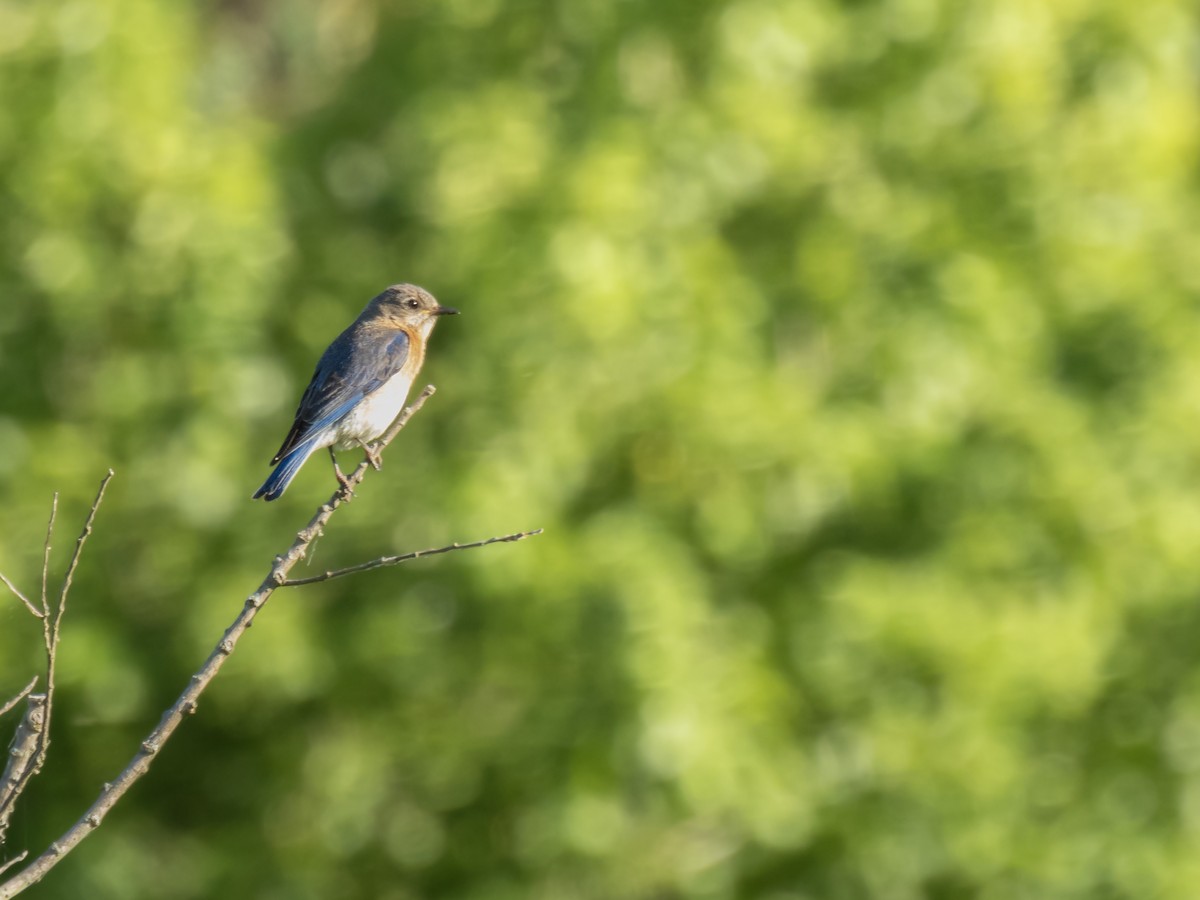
point(411, 303)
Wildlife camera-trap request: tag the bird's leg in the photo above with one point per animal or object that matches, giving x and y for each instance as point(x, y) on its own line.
point(372, 456)
point(337, 472)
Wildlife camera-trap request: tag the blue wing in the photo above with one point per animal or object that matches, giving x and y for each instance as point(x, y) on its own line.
point(355, 364)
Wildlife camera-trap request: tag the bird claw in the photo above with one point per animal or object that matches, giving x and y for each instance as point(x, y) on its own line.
point(373, 457)
point(341, 476)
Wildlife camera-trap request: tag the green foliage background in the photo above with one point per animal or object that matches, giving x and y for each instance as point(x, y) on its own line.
point(846, 352)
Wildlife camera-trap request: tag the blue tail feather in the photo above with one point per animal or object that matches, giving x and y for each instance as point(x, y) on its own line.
point(278, 481)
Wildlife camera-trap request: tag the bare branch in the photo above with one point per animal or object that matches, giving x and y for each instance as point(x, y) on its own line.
point(186, 704)
point(51, 625)
point(27, 751)
point(12, 587)
point(405, 557)
point(25, 692)
point(27, 754)
point(25, 757)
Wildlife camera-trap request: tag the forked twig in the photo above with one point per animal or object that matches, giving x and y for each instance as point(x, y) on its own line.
point(27, 753)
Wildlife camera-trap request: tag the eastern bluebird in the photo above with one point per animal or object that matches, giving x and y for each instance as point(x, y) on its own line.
point(360, 383)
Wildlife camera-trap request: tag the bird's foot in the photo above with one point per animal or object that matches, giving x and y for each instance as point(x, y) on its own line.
point(341, 476)
point(373, 456)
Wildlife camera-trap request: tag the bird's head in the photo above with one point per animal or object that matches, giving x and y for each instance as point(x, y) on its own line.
point(407, 304)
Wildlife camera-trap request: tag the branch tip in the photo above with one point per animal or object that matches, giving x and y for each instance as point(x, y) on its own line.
point(385, 561)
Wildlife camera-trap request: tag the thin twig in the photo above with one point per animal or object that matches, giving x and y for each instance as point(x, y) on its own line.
point(405, 557)
point(12, 587)
point(46, 555)
point(12, 862)
point(186, 703)
point(51, 625)
point(79, 542)
point(25, 692)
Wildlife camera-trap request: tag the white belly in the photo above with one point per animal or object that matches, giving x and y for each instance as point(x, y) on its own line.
point(374, 414)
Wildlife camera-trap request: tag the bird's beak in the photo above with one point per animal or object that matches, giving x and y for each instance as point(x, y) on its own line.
point(445, 311)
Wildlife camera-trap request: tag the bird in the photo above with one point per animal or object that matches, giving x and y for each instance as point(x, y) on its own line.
point(360, 383)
